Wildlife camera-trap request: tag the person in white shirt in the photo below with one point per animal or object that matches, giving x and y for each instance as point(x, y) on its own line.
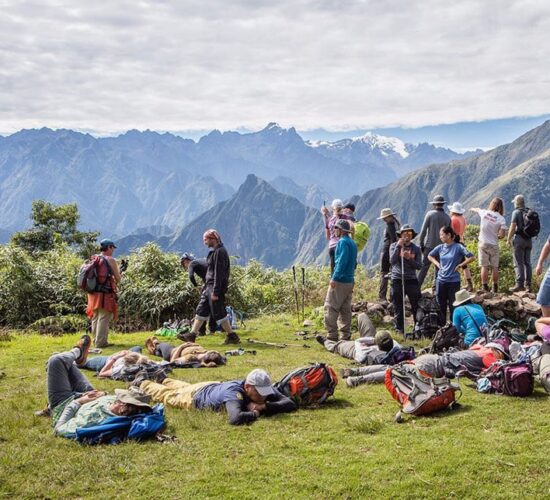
point(492, 228)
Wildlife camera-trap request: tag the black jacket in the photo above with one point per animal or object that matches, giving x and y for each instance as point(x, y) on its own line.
point(199, 267)
point(217, 274)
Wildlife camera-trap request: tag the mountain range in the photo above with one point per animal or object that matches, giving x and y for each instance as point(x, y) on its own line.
point(147, 179)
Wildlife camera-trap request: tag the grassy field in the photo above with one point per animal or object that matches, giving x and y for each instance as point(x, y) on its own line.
point(492, 447)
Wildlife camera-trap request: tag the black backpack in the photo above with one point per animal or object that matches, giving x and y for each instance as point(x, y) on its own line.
point(426, 318)
point(531, 224)
point(447, 337)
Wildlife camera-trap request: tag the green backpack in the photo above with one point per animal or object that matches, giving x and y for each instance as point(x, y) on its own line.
point(362, 233)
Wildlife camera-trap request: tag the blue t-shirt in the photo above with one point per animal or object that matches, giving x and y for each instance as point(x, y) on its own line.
point(345, 260)
point(449, 257)
point(464, 323)
point(214, 396)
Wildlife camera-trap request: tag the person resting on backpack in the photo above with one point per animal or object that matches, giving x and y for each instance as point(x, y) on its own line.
point(371, 348)
point(185, 354)
point(468, 318)
point(74, 403)
point(118, 364)
point(97, 363)
point(244, 400)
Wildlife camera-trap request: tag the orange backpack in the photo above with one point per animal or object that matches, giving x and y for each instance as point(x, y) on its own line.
point(308, 385)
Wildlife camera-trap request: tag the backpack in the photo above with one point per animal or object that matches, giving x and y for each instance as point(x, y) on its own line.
point(426, 317)
point(417, 392)
point(531, 224)
point(93, 275)
point(445, 338)
point(504, 377)
point(234, 317)
point(362, 233)
point(398, 354)
point(311, 384)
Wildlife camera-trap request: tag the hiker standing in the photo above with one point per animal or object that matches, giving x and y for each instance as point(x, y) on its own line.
point(492, 228)
point(434, 220)
point(458, 223)
point(522, 245)
point(405, 261)
point(543, 297)
point(102, 305)
point(212, 298)
point(340, 290)
point(448, 258)
point(390, 236)
point(337, 214)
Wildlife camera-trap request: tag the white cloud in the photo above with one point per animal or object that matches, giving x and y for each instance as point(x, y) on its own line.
point(205, 64)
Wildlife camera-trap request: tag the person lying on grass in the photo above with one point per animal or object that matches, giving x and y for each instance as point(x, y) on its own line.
point(186, 353)
point(98, 363)
point(74, 403)
point(244, 400)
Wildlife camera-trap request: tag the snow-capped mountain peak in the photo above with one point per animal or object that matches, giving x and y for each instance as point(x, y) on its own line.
point(385, 144)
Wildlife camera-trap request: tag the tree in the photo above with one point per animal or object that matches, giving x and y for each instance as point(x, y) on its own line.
point(55, 224)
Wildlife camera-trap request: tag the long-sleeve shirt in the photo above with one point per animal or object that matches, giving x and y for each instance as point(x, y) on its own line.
point(409, 266)
point(199, 267)
point(390, 234)
point(75, 415)
point(345, 260)
point(433, 222)
point(217, 274)
point(470, 324)
point(232, 396)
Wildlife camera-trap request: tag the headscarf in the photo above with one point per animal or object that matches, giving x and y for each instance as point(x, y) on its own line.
point(212, 233)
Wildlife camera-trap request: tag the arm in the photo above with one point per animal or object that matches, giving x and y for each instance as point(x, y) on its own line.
point(542, 257)
point(476, 210)
point(432, 257)
point(114, 268)
point(511, 232)
point(107, 370)
point(457, 319)
point(342, 251)
point(236, 414)
point(220, 261)
point(191, 272)
point(417, 262)
point(324, 211)
point(280, 405)
point(423, 232)
point(395, 251)
point(63, 425)
point(392, 231)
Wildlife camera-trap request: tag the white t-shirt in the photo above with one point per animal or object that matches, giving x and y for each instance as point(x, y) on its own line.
point(491, 223)
point(117, 368)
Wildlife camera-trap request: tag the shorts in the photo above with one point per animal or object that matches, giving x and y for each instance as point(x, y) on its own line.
point(488, 255)
point(543, 297)
point(213, 308)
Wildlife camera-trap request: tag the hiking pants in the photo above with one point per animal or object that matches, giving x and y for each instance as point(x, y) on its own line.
point(384, 270)
point(445, 293)
point(373, 374)
point(100, 326)
point(64, 378)
point(173, 392)
point(97, 363)
point(345, 348)
point(412, 290)
point(213, 308)
point(425, 267)
point(338, 311)
point(331, 257)
point(522, 260)
point(541, 367)
point(164, 350)
point(365, 326)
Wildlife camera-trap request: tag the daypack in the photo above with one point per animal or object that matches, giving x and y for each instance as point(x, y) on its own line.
point(426, 318)
point(504, 377)
point(155, 371)
point(531, 224)
point(311, 384)
point(398, 354)
point(417, 392)
point(94, 275)
point(445, 338)
point(117, 429)
point(362, 234)
point(234, 317)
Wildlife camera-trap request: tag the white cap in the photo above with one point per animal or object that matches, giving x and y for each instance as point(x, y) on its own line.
point(337, 203)
point(261, 381)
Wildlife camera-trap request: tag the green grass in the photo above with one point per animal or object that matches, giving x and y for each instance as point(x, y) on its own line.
point(493, 447)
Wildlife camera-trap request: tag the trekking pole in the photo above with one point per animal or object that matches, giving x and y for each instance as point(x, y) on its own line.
point(296, 292)
point(403, 289)
point(276, 344)
point(303, 293)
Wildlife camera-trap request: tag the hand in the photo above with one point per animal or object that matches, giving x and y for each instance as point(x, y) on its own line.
point(332, 284)
point(214, 297)
point(406, 254)
point(324, 211)
point(538, 269)
point(458, 268)
point(400, 242)
point(90, 396)
point(509, 242)
point(255, 407)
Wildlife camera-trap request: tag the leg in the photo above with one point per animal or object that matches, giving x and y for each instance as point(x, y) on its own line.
point(345, 310)
point(203, 311)
point(527, 263)
point(164, 350)
point(384, 270)
point(365, 326)
point(425, 266)
point(102, 328)
point(94, 323)
point(441, 294)
point(412, 290)
point(517, 254)
point(173, 392)
point(453, 288)
point(543, 297)
point(397, 299)
point(331, 256)
point(376, 376)
point(331, 314)
point(345, 348)
point(64, 378)
point(96, 363)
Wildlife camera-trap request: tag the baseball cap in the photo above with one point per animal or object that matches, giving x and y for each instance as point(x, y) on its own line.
point(106, 243)
point(261, 381)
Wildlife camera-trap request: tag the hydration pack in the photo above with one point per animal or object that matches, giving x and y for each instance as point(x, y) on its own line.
point(311, 384)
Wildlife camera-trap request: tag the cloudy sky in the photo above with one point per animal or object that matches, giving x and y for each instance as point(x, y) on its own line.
point(186, 65)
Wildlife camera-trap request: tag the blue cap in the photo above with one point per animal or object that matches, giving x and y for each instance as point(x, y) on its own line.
point(187, 256)
point(106, 243)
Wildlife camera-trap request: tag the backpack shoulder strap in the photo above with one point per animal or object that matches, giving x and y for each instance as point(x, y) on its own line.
point(475, 322)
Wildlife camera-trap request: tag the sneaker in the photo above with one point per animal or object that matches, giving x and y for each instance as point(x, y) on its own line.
point(517, 288)
point(346, 372)
point(232, 338)
point(321, 339)
point(354, 381)
point(83, 344)
point(187, 337)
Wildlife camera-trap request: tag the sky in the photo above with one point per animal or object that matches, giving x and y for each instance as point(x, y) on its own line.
point(328, 68)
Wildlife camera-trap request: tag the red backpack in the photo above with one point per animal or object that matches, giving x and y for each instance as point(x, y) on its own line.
point(311, 384)
point(94, 275)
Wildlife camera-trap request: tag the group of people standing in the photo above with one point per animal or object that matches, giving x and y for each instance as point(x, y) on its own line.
point(405, 264)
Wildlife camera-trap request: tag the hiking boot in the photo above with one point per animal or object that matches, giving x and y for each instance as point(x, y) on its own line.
point(528, 288)
point(354, 381)
point(46, 412)
point(83, 344)
point(469, 286)
point(517, 288)
point(346, 372)
point(232, 338)
point(321, 339)
point(495, 287)
point(187, 337)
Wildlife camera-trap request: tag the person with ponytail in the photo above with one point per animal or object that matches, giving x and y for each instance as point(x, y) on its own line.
point(448, 258)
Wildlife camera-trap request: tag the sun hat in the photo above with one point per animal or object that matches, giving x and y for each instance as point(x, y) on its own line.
point(404, 228)
point(462, 296)
point(384, 340)
point(337, 204)
point(438, 200)
point(456, 208)
point(498, 347)
point(343, 225)
point(386, 212)
point(261, 381)
point(133, 396)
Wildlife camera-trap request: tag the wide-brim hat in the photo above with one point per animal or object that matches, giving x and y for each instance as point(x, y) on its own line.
point(134, 396)
point(386, 212)
point(462, 296)
point(438, 200)
point(498, 347)
point(456, 208)
point(406, 227)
